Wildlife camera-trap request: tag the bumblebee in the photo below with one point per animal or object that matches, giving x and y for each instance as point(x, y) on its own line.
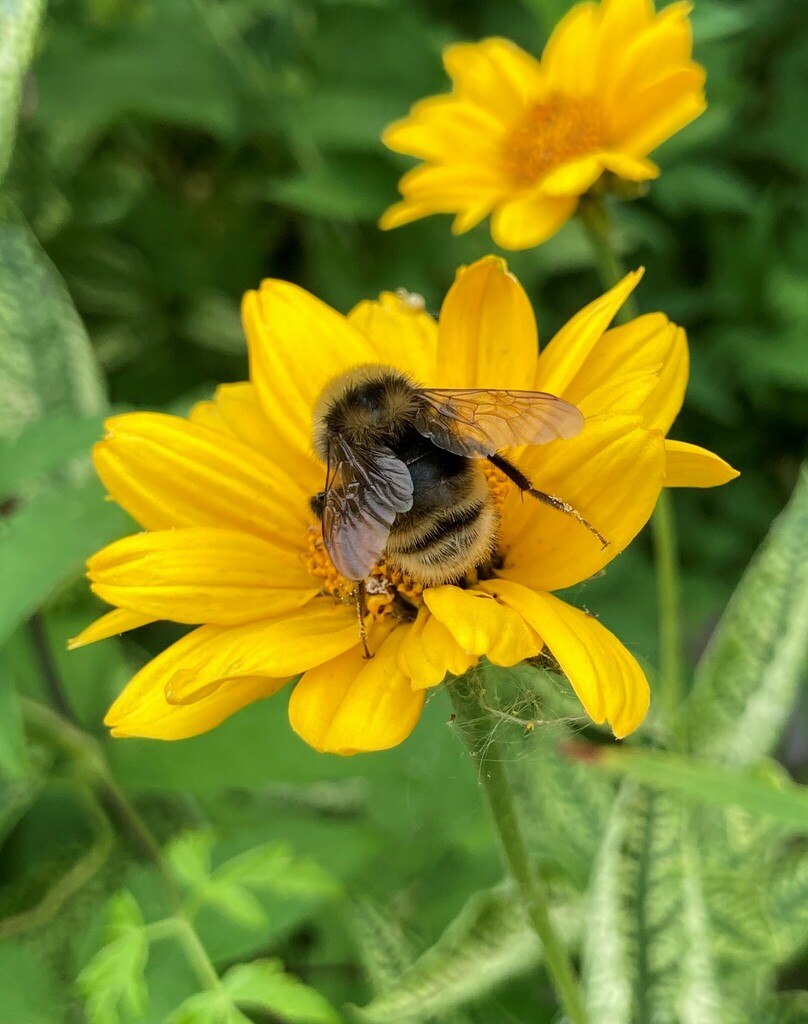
point(404, 476)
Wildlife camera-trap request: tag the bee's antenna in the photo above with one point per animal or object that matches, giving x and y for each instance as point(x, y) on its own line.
point(524, 485)
point(361, 612)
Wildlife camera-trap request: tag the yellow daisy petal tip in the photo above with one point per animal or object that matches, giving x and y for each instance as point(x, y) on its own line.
point(490, 262)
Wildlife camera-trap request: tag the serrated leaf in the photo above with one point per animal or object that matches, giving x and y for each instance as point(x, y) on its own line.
point(46, 362)
point(47, 540)
point(647, 955)
point(746, 681)
point(785, 898)
point(384, 949)
point(123, 915)
point(234, 901)
point(19, 21)
point(489, 941)
point(189, 858)
point(115, 974)
point(764, 791)
point(211, 1007)
point(264, 985)
point(274, 866)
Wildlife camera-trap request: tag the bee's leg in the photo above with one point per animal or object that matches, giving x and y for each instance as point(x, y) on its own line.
point(361, 612)
point(522, 482)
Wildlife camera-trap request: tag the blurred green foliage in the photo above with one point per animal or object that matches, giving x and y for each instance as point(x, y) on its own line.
point(170, 154)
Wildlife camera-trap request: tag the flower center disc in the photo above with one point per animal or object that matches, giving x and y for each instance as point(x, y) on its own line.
point(389, 592)
point(552, 133)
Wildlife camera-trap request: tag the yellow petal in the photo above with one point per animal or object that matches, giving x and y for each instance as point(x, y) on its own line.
point(119, 620)
point(181, 720)
point(481, 625)
point(687, 465)
point(651, 50)
point(399, 214)
point(612, 473)
point(572, 179)
point(349, 705)
point(487, 336)
point(212, 654)
point(661, 110)
point(570, 58)
point(496, 75)
point(567, 353)
point(429, 651)
point(530, 219)
point(665, 401)
point(606, 677)
point(440, 127)
point(297, 344)
point(648, 346)
point(402, 333)
point(630, 168)
point(167, 472)
point(202, 575)
point(449, 187)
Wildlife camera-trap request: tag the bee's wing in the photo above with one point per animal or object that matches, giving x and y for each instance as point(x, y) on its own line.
point(365, 490)
point(479, 423)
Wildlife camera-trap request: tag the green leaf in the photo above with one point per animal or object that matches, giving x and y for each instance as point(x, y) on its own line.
point(46, 445)
point(489, 941)
point(764, 791)
point(46, 362)
point(211, 1007)
point(269, 866)
point(30, 988)
point(786, 1008)
point(115, 974)
point(47, 540)
point(647, 953)
point(715, 20)
point(132, 68)
point(189, 858)
point(384, 949)
point(275, 867)
point(746, 681)
point(343, 189)
point(15, 762)
point(19, 21)
point(264, 985)
point(785, 900)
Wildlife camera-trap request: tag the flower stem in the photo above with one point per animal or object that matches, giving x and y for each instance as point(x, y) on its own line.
point(476, 727)
point(595, 218)
point(663, 526)
point(84, 752)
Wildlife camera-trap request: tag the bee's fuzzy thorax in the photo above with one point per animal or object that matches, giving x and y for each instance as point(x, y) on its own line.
point(367, 404)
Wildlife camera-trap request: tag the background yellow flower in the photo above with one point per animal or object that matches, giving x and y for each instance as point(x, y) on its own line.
point(224, 499)
point(523, 139)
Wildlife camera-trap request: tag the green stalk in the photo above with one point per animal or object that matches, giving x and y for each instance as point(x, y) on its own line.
point(595, 219)
point(477, 728)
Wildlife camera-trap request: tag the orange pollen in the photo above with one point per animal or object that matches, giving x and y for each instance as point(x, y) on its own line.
point(388, 591)
point(552, 133)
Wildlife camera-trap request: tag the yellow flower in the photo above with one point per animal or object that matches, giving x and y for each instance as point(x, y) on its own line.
point(231, 546)
point(523, 139)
